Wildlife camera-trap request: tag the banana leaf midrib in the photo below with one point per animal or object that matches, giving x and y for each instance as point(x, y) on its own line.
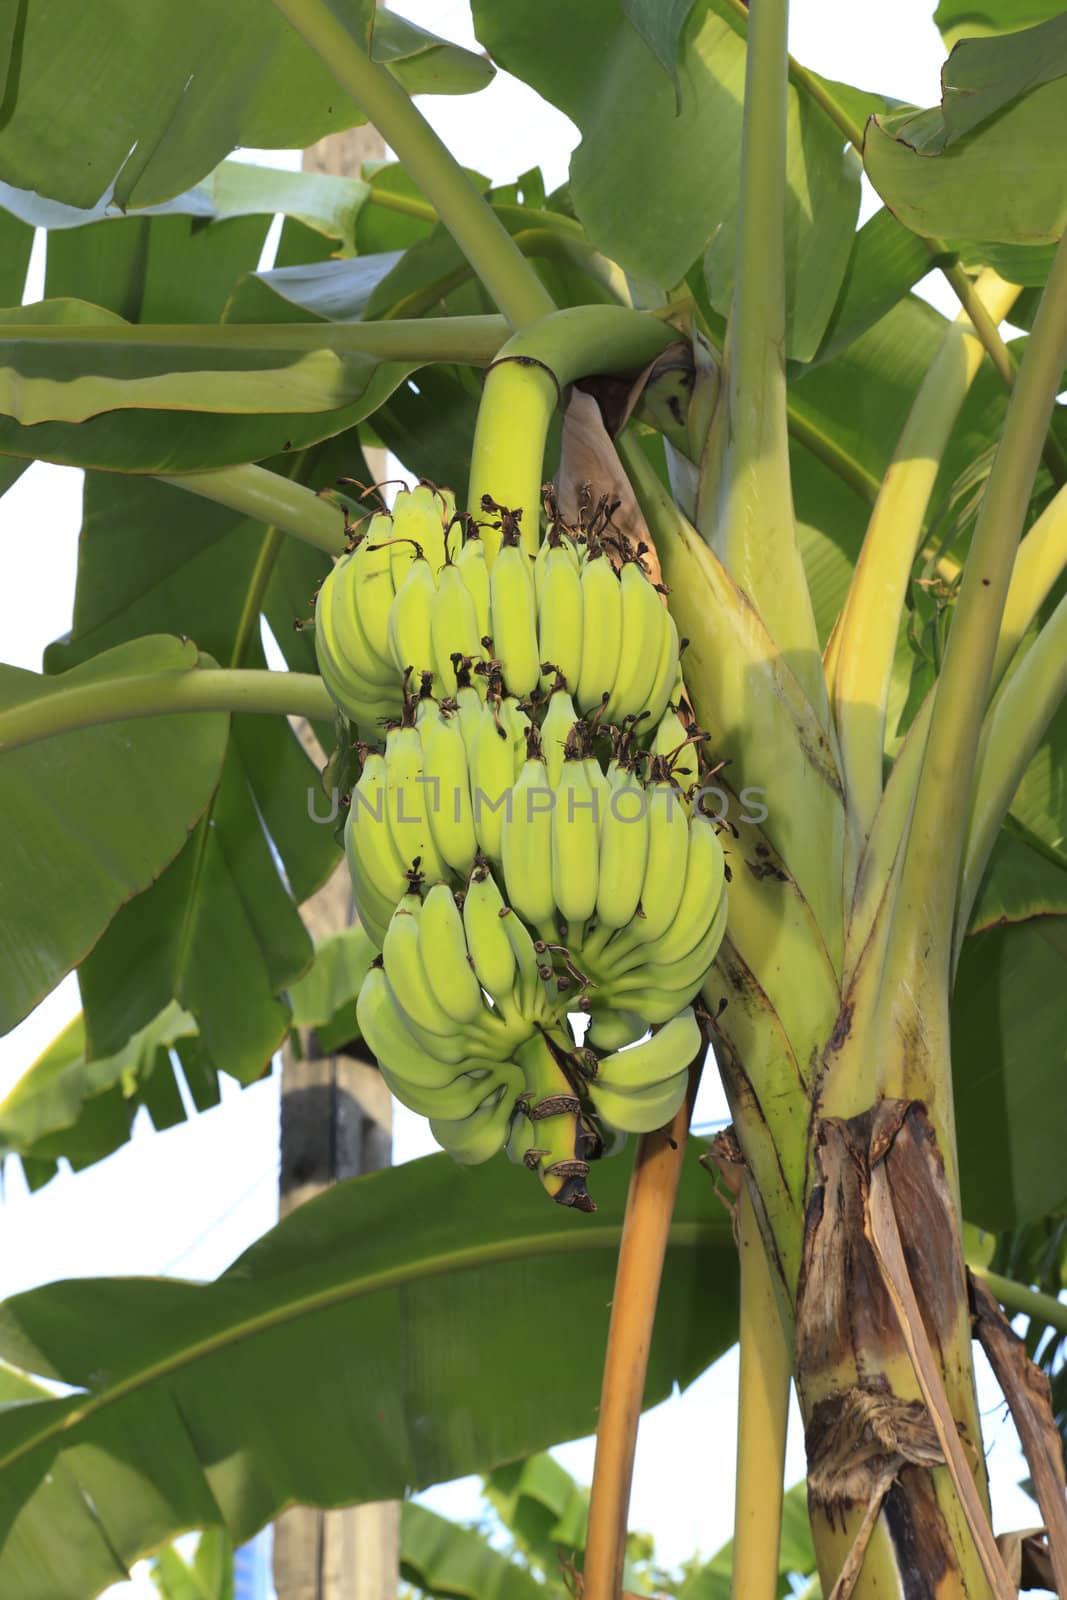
point(605, 1236)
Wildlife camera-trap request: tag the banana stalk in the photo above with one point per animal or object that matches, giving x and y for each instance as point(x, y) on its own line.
point(522, 389)
point(646, 1225)
point(269, 497)
point(763, 1413)
point(746, 504)
point(163, 694)
point(510, 280)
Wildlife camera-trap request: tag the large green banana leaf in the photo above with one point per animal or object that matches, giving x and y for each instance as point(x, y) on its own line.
point(80, 386)
point(988, 162)
point(68, 1105)
point(193, 578)
point(92, 817)
point(646, 187)
point(81, 1108)
point(321, 201)
point(404, 1328)
point(138, 99)
point(956, 18)
point(448, 1562)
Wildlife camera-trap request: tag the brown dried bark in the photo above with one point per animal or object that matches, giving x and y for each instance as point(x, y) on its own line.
point(882, 1359)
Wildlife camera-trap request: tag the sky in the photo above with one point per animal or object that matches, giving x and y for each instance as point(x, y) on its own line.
point(188, 1201)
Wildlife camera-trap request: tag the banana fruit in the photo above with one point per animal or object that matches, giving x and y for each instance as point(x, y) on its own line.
point(526, 841)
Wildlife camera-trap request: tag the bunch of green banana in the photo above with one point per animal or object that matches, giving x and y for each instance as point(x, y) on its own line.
point(399, 606)
point(450, 1008)
point(504, 689)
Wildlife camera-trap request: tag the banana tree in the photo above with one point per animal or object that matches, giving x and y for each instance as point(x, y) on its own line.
point(857, 509)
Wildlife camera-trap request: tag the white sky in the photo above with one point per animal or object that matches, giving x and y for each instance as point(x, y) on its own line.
point(188, 1201)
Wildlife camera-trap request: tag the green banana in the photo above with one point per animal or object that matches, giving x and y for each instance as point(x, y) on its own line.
point(560, 612)
point(443, 947)
point(641, 1110)
point(469, 705)
point(453, 627)
point(526, 844)
point(448, 793)
point(668, 851)
point(623, 849)
point(556, 728)
point(644, 621)
point(411, 619)
point(665, 680)
point(612, 1030)
point(473, 569)
point(575, 839)
point(382, 1023)
point(654, 1060)
point(514, 619)
point(529, 986)
point(487, 940)
point(601, 631)
point(475, 1138)
point(702, 891)
point(703, 894)
point(496, 757)
point(374, 589)
point(422, 515)
point(368, 837)
point(408, 803)
point(373, 910)
point(406, 971)
point(459, 1099)
point(680, 976)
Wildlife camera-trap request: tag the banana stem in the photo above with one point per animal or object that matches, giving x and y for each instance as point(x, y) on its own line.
point(271, 498)
point(522, 389)
point(749, 520)
point(1039, 563)
point(247, 630)
point(162, 694)
point(645, 1230)
point(1013, 729)
point(763, 1415)
point(544, 242)
point(866, 637)
point(407, 205)
point(1003, 361)
point(510, 281)
point(920, 943)
point(474, 340)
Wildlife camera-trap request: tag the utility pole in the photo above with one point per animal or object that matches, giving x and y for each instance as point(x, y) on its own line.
point(336, 1123)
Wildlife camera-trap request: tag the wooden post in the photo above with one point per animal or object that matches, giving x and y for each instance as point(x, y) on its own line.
point(336, 1123)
